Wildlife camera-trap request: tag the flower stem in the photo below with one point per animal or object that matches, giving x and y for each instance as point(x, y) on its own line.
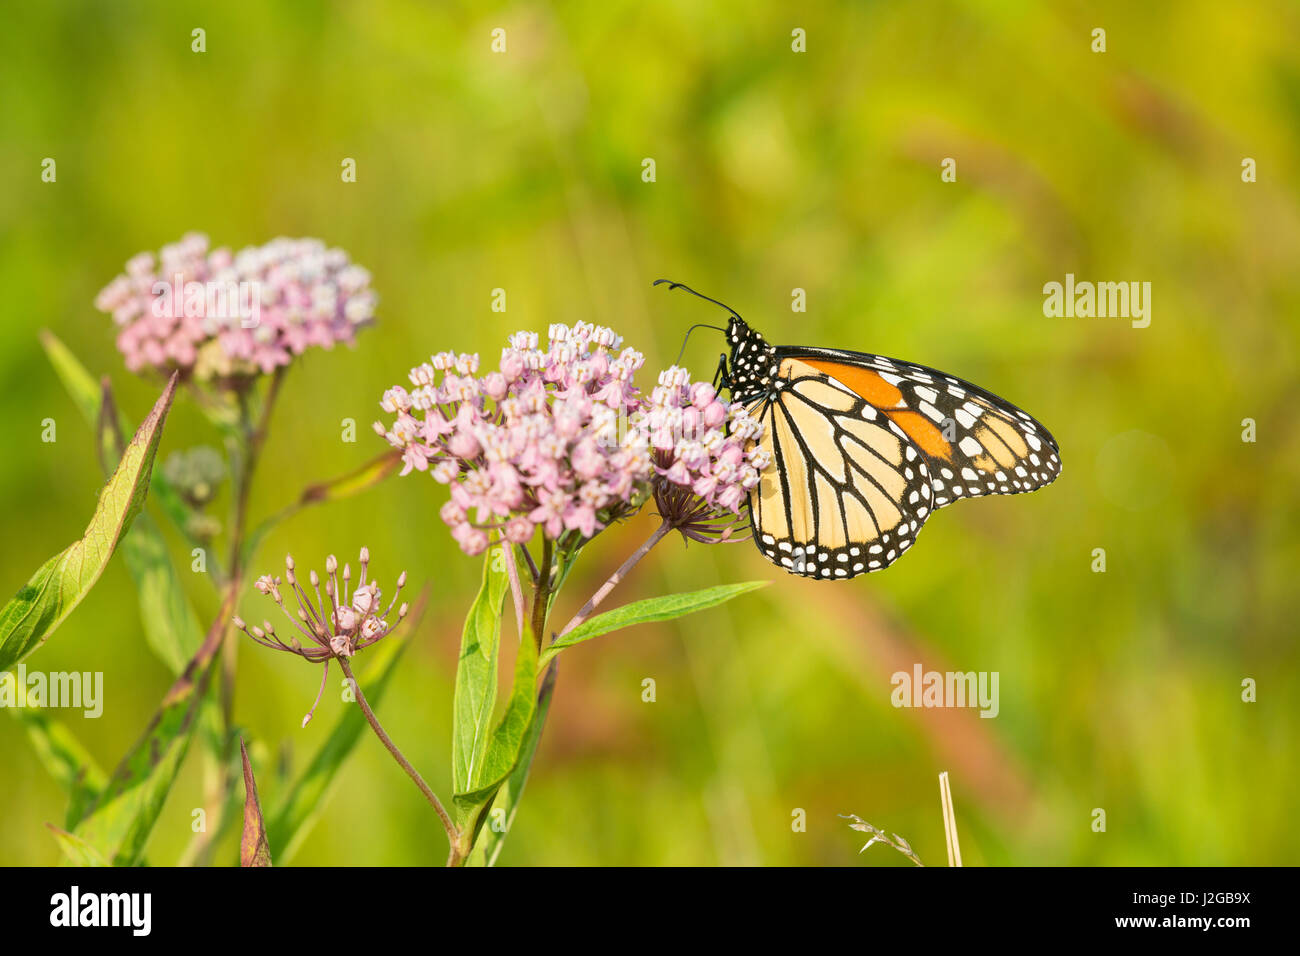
point(254, 439)
point(616, 577)
point(528, 559)
point(245, 453)
point(452, 833)
point(542, 593)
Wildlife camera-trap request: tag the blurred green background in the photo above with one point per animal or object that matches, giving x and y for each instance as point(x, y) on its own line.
point(775, 170)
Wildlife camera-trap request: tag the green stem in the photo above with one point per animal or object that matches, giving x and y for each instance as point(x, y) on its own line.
point(542, 593)
point(245, 453)
point(452, 832)
point(616, 577)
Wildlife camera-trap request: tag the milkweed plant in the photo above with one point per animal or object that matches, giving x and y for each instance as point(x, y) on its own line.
point(533, 458)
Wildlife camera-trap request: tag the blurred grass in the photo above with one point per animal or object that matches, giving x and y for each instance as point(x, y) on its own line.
point(775, 170)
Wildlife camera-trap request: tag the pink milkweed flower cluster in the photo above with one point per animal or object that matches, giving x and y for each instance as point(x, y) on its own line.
point(561, 439)
point(534, 443)
point(685, 425)
point(706, 453)
point(222, 315)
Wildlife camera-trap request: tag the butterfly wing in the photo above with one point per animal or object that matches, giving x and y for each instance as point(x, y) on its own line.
point(847, 491)
point(865, 447)
point(974, 442)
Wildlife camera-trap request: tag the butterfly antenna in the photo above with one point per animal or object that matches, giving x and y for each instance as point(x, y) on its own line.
point(677, 285)
point(687, 338)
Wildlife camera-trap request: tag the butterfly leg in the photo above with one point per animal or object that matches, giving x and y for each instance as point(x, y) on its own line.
point(722, 377)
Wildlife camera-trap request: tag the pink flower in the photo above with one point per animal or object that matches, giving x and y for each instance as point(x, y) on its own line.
point(703, 444)
point(365, 598)
point(533, 443)
point(519, 530)
point(231, 316)
point(333, 626)
point(561, 439)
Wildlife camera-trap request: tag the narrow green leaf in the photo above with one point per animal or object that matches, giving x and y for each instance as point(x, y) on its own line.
point(81, 385)
point(295, 814)
point(77, 851)
point(651, 609)
point(488, 848)
point(503, 749)
point(476, 676)
point(354, 482)
point(122, 818)
point(253, 848)
point(344, 486)
point(108, 430)
point(60, 584)
point(86, 395)
point(64, 757)
point(171, 628)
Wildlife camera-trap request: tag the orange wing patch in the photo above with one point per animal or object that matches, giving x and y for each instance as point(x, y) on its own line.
point(888, 399)
point(862, 380)
point(923, 433)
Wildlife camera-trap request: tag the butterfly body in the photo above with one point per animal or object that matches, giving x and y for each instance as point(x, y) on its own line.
point(865, 448)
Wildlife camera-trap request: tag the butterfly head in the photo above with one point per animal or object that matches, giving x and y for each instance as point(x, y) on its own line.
point(751, 373)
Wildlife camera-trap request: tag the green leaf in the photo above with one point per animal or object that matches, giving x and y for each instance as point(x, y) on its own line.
point(345, 486)
point(64, 757)
point(652, 609)
point(60, 584)
point(253, 848)
point(171, 628)
point(122, 818)
point(86, 394)
point(76, 850)
point(476, 677)
point(503, 749)
point(488, 848)
point(292, 819)
point(81, 385)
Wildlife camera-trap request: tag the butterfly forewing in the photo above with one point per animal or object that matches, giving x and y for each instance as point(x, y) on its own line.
point(847, 491)
point(975, 442)
point(865, 447)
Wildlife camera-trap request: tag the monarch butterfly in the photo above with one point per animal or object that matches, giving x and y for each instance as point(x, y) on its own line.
point(864, 448)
